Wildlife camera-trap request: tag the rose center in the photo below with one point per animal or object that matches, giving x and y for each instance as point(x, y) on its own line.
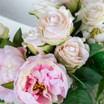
point(40, 87)
point(72, 49)
point(54, 19)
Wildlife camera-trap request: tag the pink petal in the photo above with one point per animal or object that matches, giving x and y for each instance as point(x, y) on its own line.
point(7, 95)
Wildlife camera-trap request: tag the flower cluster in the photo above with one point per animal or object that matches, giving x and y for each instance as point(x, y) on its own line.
point(92, 16)
point(60, 58)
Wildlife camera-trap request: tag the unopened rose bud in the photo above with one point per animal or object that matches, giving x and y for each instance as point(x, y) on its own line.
point(4, 32)
point(73, 5)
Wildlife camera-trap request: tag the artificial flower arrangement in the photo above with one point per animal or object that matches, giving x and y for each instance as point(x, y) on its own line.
point(60, 61)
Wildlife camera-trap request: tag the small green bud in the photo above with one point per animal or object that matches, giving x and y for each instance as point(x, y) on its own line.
point(72, 5)
point(4, 32)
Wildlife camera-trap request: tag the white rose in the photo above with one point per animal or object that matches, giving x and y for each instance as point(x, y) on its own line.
point(33, 40)
point(92, 14)
point(73, 53)
point(56, 25)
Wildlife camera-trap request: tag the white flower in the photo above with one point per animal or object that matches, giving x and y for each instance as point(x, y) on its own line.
point(99, 38)
point(91, 40)
point(92, 14)
point(33, 40)
point(56, 25)
point(73, 53)
point(94, 35)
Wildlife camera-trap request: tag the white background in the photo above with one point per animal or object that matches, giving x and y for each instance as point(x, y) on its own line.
point(18, 10)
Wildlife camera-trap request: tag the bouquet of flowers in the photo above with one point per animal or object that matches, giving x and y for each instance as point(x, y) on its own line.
point(60, 61)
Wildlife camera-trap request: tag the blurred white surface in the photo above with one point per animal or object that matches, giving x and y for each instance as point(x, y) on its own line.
point(18, 10)
point(14, 26)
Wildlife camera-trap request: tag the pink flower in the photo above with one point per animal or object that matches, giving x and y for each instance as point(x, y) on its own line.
point(11, 59)
point(8, 95)
point(42, 81)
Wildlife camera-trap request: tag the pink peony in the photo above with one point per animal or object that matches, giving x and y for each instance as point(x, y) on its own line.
point(11, 59)
point(42, 81)
point(8, 96)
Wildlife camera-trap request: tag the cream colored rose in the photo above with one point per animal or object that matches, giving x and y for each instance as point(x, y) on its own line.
point(33, 40)
point(73, 53)
point(55, 25)
point(92, 14)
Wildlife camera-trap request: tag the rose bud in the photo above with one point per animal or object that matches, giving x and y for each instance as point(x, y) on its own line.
point(4, 32)
point(72, 5)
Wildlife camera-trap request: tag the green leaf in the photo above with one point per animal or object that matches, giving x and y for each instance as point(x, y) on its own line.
point(69, 73)
point(94, 48)
point(35, 13)
point(77, 25)
point(99, 60)
point(100, 88)
point(78, 96)
point(88, 76)
point(17, 40)
point(1, 101)
point(1, 40)
point(92, 65)
point(75, 78)
point(9, 85)
point(5, 42)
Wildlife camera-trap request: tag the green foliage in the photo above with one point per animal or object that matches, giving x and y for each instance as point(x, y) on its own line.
point(1, 101)
point(9, 85)
point(94, 48)
point(77, 25)
point(75, 78)
point(4, 42)
point(78, 96)
point(100, 88)
point(88, 76)
point(73, 5)
point(17, 40)
point(99, 60)
point(35, 13)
